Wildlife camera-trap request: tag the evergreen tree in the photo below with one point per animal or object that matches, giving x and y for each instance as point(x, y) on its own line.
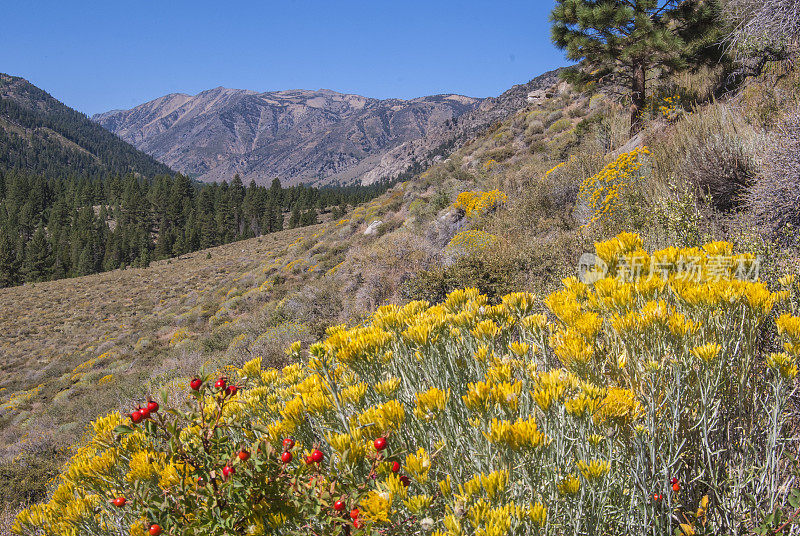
point(296, 216)
point(38, 261)
point(625, 41)
point(9, 268)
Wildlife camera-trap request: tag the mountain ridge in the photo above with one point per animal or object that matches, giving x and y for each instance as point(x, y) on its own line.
point(40, 134)
point(297, 135)
point(317, 137)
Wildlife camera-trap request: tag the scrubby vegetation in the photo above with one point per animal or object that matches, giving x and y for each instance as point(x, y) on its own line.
point(538, 402)
point(648, 402)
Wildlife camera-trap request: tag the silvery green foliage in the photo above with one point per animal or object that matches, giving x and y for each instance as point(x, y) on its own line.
point(775, 197)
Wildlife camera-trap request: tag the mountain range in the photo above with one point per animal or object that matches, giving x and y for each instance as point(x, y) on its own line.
point(315, 137)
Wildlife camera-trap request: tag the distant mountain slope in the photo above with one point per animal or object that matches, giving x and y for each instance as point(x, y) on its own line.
point(440, 141)
point(296, 135)
point(41, 135)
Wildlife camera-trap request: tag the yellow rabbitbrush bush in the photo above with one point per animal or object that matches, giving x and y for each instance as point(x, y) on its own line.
point(477, 203)
point(642, 377)
point(471, 242)
point(602, 193)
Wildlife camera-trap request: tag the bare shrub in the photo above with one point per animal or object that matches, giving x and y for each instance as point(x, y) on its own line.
point(774, 198)
point(764, 24)
point(715, 150)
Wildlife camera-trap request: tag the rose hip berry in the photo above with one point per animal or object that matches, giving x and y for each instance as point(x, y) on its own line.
point(145, 413)
point(357, 523)
point(405, 480)
point(155, 529)
point(354, 513)
point(195, 384)
point(676, 486)
point(220, 383)
point(673, 480)
point(136, 416)
point(286, 457)
point(244, 455)
point(119, 502)
point(231, 390)
point(380, 444)
point(288, 443)
point(338, 506)
point(317, 455)
point(227, 471)
point(152, 406)
point(396, 467)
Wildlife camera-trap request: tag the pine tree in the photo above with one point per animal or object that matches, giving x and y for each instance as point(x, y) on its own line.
point(625, 41)
point(38, 261)
point(296, 217)
point(9, 268)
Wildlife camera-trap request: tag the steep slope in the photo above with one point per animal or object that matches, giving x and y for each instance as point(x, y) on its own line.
point(445, 138)
point(41, 135)
point(297, 135)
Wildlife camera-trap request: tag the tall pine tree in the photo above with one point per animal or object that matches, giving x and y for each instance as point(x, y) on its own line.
point(625, 41)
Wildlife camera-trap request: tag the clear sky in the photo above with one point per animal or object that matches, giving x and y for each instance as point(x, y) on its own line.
point(98, 56)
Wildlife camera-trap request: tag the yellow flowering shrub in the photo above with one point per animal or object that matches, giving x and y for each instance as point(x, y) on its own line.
point(608, 415)
point(478, 203)
point(471, 242)
point(602, 192)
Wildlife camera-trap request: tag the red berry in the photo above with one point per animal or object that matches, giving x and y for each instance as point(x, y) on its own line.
point(354, 513)
point(308, 459)
point(244, 455)
point(220, 383)
point(195, 384)
point(119, 502)
point(673, 480)
point(286, 457)
point(317, 455)
point(656, 497)
point(136, 416)
point(288, 443)
point(338, 506)
point(155, 529)
point(152, 406)
point(380, 444)
point(405, 480)
point(145, 413)
point(227, 471)
point(231, 390)
point(357, 523)
point(676, 487)
point(396, 467)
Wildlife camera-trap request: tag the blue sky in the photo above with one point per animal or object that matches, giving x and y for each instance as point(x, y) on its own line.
point(97, 56)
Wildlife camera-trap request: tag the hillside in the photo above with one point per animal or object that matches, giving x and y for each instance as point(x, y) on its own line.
point(315, 137)
point(76, 348)
point(39, 134)
point(511, 210)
